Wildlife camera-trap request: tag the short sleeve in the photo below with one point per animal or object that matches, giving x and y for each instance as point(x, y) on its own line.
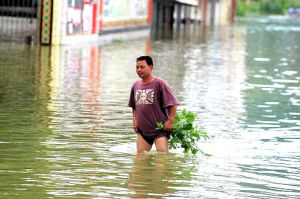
point(131, 102)
point(168, 96)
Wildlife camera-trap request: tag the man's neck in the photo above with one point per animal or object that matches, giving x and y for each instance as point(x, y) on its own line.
point(148, 79)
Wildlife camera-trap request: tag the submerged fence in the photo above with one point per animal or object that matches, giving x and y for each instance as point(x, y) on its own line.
point(18, 20)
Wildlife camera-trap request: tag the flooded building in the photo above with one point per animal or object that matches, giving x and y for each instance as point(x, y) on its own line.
point(75, 21)
point(206, 12)
point(90, 20)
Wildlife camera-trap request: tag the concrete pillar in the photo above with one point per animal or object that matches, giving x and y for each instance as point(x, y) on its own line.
point(212, 13)
point(178, 15)
point(188, 14)
point(47, 16)
point(232, 11)
point(154, 14)
point(160, 14)
point(204, 13)
point(59, 22)
point(197, 16)
point(150, 12)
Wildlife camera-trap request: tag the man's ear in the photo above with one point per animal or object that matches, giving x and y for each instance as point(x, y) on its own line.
point(151, 67)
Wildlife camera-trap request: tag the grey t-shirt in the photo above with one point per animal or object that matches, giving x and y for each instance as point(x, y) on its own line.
point(150, 102)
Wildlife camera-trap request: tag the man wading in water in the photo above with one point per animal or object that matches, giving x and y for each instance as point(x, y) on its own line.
point(152, 101)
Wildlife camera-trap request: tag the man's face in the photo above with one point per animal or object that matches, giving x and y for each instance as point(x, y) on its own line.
point(143, 69)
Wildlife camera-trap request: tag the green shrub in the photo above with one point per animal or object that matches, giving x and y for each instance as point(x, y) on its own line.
point(185, 134)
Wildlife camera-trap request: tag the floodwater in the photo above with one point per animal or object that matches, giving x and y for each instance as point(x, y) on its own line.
point(66, 130)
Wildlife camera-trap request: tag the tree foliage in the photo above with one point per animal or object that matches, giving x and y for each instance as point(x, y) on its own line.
point(246, 7)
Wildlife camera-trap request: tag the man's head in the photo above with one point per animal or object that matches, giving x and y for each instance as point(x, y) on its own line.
point(148, 60)
point(144, 66)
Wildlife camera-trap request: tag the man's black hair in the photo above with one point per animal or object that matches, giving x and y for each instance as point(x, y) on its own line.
point(148, 60)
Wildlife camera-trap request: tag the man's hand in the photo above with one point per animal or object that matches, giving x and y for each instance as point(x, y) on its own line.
point(168, 125)
point(170, 121)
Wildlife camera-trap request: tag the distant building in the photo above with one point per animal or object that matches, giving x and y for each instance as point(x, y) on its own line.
point(74, 21)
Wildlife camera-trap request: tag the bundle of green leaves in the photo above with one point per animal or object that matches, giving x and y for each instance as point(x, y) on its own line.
point(185, 134)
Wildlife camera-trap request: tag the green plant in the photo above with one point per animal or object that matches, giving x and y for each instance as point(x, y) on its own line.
point(185, 134)
point(117, 41)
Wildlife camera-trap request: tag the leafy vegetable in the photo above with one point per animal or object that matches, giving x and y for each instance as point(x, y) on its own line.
point(185, 134)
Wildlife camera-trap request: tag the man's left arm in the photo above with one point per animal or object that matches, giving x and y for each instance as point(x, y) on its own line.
point(172, 113)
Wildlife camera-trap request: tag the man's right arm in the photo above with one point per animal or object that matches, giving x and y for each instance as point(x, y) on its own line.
point(134, 120)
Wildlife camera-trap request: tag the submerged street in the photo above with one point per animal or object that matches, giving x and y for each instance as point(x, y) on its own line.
point(66, 130)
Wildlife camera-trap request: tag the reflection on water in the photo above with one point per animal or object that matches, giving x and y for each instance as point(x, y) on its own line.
point(66, 131)
point(151, 175)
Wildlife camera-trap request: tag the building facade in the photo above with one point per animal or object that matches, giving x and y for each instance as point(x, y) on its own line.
point(87, 20)
point(73, 21)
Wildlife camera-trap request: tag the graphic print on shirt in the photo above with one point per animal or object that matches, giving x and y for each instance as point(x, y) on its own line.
point(144, 96)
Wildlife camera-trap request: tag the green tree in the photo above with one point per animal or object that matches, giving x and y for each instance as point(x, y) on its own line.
point(274, 6)
point(246, 7)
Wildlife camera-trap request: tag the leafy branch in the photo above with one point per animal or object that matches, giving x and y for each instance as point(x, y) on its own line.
point(185, 134)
